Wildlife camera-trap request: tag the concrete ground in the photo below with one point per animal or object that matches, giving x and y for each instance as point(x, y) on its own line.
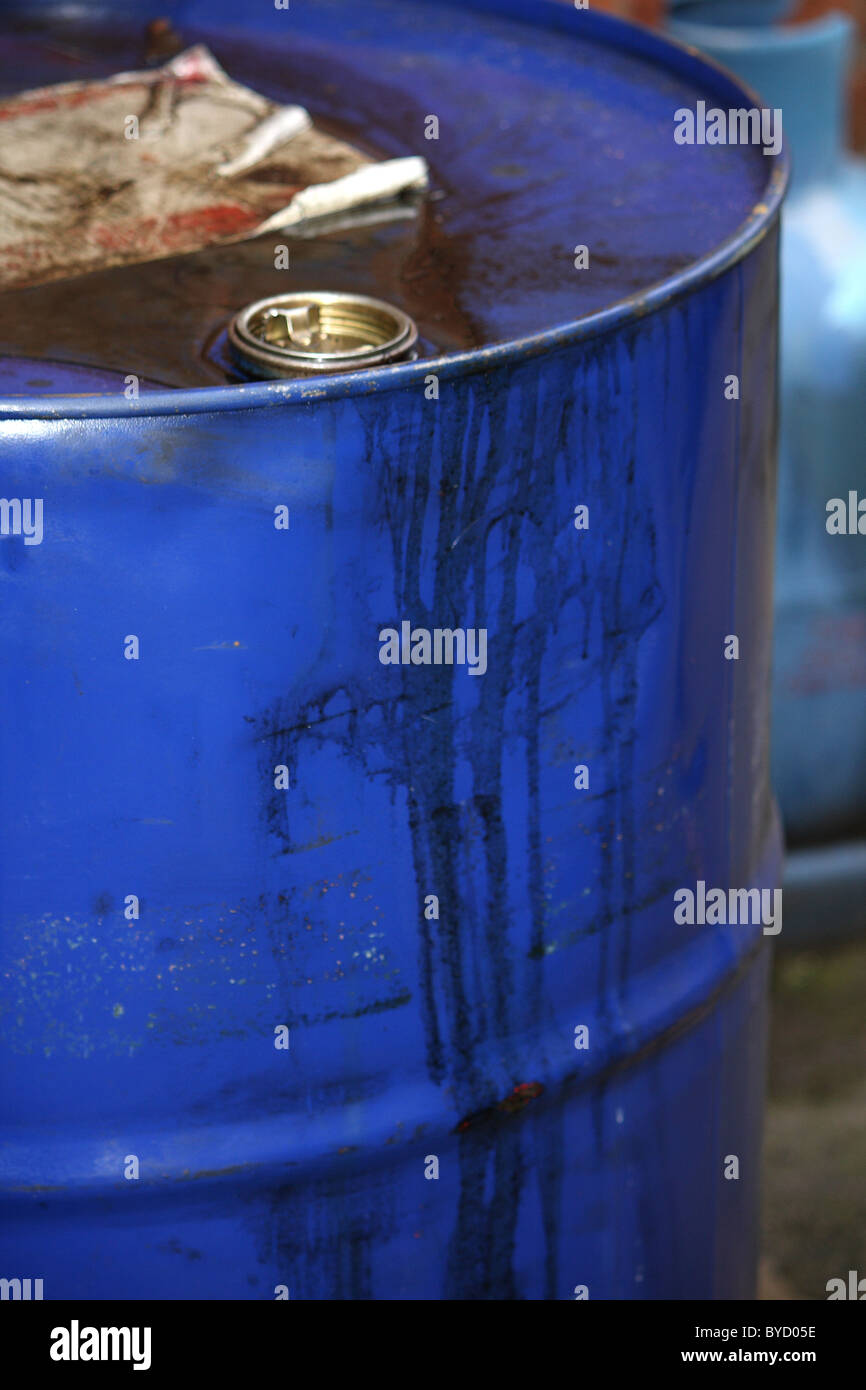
point(814, 1226)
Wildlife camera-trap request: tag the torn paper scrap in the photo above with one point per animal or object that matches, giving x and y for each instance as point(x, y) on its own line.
point(158, 163)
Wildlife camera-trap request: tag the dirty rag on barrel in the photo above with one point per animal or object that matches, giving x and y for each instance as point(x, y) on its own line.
point(158, 163)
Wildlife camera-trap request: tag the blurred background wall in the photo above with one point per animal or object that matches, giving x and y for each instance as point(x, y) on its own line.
point(652, 13)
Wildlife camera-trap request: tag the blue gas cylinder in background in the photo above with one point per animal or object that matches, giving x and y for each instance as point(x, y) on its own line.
point(327, 976)
point(819, 704)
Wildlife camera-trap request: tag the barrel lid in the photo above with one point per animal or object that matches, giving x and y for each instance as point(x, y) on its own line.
point(26, 377)
point(547, 129)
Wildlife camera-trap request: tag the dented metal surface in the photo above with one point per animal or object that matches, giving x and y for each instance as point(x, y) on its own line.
point(261, 907)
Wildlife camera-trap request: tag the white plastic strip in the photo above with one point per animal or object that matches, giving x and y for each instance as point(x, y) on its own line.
point(372, 184)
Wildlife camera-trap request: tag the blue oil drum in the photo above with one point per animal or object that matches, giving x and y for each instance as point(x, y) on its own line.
point(331, 976)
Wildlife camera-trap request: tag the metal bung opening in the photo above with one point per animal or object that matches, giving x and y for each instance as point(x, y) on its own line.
point(318, 331)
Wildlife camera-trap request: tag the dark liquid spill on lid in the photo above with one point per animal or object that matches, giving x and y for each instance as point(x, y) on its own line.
point(525, 168)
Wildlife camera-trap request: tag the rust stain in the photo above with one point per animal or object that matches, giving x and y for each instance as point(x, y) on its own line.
point(186, 1176)
point(39, 1187)
point(516, 1101)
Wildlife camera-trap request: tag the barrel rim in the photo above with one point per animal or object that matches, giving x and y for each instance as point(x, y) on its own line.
point(678, 57)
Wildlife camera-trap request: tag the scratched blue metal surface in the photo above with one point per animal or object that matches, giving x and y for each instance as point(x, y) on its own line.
point(409, 1038)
